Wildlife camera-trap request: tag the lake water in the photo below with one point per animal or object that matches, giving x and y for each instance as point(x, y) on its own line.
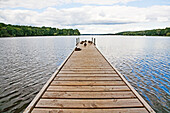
point(26, 63)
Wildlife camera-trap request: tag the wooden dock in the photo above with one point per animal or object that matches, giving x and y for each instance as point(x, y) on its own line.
point(87, 83)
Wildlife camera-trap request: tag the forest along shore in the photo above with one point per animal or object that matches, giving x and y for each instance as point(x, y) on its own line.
point(8, 30)
point(154, 32)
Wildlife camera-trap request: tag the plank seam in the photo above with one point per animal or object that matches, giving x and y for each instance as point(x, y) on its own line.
point(87, 80)
point(87, 91)
point(89, 98)
point(86, 85)
point(91, 108)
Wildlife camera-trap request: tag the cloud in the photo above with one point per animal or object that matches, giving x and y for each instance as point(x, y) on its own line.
point(39, 4)
point(92, 19)
point(103, 2)
point(31, 4)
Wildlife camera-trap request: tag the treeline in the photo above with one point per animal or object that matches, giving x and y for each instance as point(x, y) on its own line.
point(17, 30)
point(155, 32)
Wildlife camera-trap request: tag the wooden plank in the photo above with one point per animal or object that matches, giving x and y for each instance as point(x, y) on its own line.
point(96, 67)
point(88, 64)
point(88, 88)
point(86, 78)
point(110, 95)
point(88, 74)
point(84, 63)
point(87, 83)
point(88, 69)
point(120, 110)
point(88, 103)
point(82, 55)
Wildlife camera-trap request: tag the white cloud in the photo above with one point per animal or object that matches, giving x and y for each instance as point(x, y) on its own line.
point(31, 4)
point(101, 29)
point(162, 19)
point(39, 4)
point(102, 2)
point(92, 19)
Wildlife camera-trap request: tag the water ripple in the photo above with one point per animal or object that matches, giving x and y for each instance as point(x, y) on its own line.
point(145, 66)
point(25, 66)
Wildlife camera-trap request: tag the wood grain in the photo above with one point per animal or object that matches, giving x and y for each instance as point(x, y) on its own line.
point(88, 88)
point(92, 95)
point(85, 103)
point(86, 78)
point(120, 110)
point(87, 83)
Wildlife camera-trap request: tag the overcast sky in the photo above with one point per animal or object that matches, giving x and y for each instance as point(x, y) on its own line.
point(89, 16)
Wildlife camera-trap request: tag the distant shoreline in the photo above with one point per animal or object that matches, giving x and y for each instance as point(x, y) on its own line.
point(79, 36)
point(154, 32)
point(39, 36)
point(8, 30)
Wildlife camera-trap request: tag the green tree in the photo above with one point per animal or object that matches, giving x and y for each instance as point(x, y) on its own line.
point(16, 30)
point(168, 34)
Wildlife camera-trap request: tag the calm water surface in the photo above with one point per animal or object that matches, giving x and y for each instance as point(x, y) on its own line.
point(26, 63)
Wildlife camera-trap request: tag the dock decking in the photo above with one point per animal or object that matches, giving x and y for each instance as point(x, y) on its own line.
point(87, 83)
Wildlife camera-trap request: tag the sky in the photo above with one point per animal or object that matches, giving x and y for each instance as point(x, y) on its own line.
point(89, 16)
